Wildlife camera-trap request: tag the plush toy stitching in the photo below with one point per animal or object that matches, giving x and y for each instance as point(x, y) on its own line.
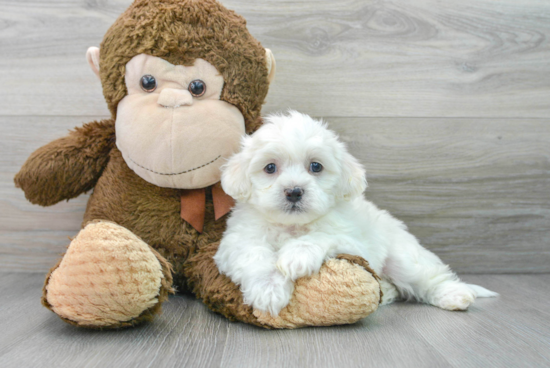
point(183, 172)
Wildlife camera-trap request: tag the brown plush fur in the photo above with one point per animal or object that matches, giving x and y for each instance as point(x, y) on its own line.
point(152, 213)
point(69, 166)
point(178, 31)
point(217, 291)
point(181, 31)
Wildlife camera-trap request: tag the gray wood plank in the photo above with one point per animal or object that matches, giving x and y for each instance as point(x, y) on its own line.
point(529, 290)
point(475, 338)
point(508, 331)
point(372, 342)
point(347, 58)
point(475, 191)
point(186, 334)
point(33, 237)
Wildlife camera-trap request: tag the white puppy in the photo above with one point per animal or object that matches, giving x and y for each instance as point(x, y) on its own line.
point(300, 201)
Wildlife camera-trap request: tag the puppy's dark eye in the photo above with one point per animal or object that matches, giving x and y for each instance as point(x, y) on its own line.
point(270, 168)
point(316, 167)
point(197, 88)
point(148, 83)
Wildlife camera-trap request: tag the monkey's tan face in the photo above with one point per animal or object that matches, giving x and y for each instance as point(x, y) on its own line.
point(172, 128)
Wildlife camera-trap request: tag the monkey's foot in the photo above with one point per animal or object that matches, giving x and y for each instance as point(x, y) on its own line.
point(344, 291)
point(108, 278)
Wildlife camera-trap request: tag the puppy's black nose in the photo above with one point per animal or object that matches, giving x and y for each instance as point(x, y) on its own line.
point(294, 195)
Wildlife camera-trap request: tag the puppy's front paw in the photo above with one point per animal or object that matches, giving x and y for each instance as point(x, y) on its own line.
point(298, 260)
point(454, 297)
point(269, 294)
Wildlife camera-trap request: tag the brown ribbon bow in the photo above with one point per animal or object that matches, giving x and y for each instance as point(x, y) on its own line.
point(193, 205)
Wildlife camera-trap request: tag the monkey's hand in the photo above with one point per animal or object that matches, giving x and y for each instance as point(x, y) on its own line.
point(344, 291)
point(68, 166)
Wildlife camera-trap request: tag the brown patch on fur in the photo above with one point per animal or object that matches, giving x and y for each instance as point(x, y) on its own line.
point(181, 31)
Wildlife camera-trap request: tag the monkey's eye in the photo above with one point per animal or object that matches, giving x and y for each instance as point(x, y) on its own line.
point(316, 167)
point(270, 168)
point(197, 88)
point(148, 83)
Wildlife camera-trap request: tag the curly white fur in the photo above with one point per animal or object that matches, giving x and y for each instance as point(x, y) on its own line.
point(271, 241)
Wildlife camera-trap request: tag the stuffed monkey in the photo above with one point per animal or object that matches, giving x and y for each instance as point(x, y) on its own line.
point(184, 81)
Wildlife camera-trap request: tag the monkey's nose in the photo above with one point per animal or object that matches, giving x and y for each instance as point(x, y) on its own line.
point(171, 97)
point(294, 195)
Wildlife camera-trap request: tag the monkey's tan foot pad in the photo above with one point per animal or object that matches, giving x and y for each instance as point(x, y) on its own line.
point(108, 278)
point(344, 291)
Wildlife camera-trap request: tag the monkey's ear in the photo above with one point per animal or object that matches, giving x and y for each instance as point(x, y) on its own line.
point(92, 55)
point(270, 61)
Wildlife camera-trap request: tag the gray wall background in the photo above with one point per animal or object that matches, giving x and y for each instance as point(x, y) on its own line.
point(446, 103)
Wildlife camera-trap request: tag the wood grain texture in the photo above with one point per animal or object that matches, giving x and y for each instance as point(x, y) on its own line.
point(186, 335)
point(509, 331)
point(476, 339)
point(362, 58)
point(371, 342)
point(32, 237)
point(474, 191)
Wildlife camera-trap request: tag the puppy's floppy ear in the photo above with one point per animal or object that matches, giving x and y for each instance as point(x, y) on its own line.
point(235, 179)
point(353, 180)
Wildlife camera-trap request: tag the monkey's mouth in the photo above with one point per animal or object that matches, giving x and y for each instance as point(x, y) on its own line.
point(178, 173)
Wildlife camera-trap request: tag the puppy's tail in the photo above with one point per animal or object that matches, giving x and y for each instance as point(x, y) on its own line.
point(481, 292)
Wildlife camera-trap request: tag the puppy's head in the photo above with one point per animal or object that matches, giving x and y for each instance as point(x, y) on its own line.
point(293, 170)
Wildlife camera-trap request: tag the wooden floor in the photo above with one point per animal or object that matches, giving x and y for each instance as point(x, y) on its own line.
point(512, 330)
point(446, 103)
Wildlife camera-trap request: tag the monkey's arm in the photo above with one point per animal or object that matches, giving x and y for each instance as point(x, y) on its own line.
point(68, 166)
